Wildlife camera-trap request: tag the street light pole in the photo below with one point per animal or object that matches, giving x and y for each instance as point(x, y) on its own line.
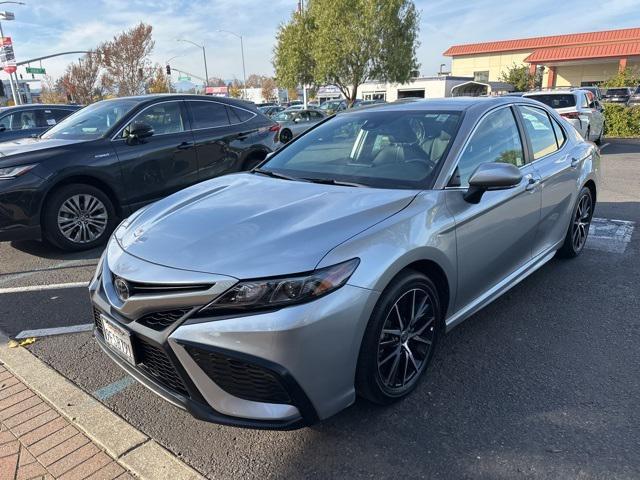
point(17, 100)
point(244, 72)
point(204, 56)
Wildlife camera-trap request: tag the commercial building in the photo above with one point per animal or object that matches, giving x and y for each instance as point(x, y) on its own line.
point(577, 59)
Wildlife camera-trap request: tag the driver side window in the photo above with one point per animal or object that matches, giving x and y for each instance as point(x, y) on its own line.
point(164, 117)
point(496, 139)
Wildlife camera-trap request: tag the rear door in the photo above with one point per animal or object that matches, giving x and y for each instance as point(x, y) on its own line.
point(496, 236)
point(557, 164)
point(162, 164)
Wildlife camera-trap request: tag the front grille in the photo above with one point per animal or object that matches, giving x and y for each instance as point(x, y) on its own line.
point(138, 288)
point(97, 320)
point(161, 320)
point(239, 378)
point(155, 362)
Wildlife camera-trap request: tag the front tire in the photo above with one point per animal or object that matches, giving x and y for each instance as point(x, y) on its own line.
point(286, 135)
point(578, 231)
point(78, 217)
point(399, 340)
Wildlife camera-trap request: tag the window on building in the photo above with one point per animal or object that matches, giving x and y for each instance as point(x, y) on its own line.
point(539, 130)
point(496, 139)
point(482, 76)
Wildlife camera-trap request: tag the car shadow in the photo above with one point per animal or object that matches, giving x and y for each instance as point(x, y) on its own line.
point(42, 249)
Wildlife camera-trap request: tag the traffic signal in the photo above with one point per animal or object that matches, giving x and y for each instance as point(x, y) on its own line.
point(168, 69)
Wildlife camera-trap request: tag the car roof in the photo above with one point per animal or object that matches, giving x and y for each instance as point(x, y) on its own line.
point(39, 105)
point(449, 103)
point(552, 92)
point(185, 96)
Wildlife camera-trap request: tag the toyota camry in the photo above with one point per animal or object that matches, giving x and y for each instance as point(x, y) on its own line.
point(273, 298)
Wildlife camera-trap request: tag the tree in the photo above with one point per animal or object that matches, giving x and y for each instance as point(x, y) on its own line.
point(269, 90)
point(216, 82)
point(629, 77)
point(292, 94)
point(82, 80)
point(52, 91)
point(158, 84)
point(235, 89)
point(520, 77)
point(126, 60)
point(256, 81)
point(323, 45)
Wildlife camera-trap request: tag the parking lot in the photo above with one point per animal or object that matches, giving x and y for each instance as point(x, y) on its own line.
point(542, 383)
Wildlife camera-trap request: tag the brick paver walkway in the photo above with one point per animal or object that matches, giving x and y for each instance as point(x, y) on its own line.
point(37, 443)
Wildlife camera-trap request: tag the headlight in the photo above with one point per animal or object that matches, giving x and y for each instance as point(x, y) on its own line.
point(279, 292)
point(13, 172)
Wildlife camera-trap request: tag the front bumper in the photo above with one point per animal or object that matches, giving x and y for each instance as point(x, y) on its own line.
point(280, 369)
point(20, 200)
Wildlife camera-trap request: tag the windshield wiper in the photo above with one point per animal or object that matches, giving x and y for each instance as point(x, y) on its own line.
point(272, 174)
point(331, 181)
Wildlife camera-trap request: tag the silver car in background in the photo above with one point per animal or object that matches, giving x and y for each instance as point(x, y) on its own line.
point(581, 108)
point(294, 122)
point(272, 298)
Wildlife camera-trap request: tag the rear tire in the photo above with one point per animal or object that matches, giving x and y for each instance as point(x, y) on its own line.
point(599, 139)
point(78, 217)
point(286, 135)
point(578, 231)
point(400, 339)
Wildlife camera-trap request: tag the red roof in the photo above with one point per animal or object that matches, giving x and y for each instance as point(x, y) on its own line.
point(582, 52)
point(604, 37)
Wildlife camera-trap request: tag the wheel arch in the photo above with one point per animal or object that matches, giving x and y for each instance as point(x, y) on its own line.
point(591, 185)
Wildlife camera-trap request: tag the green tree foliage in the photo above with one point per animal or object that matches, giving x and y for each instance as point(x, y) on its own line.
point(520, 77)
point(348, 42)
point(629, 77)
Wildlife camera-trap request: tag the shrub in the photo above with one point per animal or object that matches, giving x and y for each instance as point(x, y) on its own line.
point(621, 121)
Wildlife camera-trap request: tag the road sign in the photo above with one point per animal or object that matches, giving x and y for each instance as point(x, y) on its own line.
point(7, 57)
point(38, 70)
point(184, 79)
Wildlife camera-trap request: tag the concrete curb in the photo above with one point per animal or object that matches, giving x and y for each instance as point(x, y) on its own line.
point(130, 447)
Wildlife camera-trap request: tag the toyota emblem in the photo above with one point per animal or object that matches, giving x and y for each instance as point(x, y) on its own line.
point(122, 289)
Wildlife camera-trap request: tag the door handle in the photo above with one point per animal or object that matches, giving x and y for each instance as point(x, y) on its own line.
point(574, 162)
point(185, 146)
point(533, 184)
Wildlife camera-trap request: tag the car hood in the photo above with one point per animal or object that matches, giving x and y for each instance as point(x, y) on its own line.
point(249, 226)
point(25, 145)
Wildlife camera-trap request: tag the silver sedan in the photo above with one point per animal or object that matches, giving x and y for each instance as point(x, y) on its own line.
point(294, 122)
point(273, 298)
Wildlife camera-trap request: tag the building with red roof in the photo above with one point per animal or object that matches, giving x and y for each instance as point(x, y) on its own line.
point(577, 59)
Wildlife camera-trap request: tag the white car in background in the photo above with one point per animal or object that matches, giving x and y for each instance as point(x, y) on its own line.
point(579, 107)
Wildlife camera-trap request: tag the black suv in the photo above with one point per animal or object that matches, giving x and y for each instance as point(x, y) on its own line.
point(31, 120)
point(72, 184)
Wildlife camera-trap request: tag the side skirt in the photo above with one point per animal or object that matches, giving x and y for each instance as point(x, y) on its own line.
point(500, 288)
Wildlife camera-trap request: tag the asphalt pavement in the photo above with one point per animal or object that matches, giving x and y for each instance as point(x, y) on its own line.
point(543, 383)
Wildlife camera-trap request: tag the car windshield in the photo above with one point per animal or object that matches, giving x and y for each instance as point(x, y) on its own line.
point(92, 122)
point(393, 149)
point(558, 100)
point(329, 105)
point(617, 91)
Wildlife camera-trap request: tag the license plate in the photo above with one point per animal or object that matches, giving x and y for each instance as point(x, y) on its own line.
point(118, 339)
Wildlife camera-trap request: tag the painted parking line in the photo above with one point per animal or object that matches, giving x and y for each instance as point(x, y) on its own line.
point(110, 390)
point(40, 288)
point(8, 278)
point(47, 332)
point(610, 236)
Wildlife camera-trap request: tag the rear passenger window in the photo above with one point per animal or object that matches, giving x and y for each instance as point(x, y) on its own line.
point(239, 115)
point(496, 139)
point(560, 136)
point(208, 114)
point(539, 130)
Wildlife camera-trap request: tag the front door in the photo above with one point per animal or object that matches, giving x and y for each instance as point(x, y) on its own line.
point(494, 237)
point(163, 163)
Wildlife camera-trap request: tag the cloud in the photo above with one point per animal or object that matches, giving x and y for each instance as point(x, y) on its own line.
point(53, 26)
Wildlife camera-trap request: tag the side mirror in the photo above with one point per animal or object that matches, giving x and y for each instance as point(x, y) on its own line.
point(492, 176)
point(140, 130)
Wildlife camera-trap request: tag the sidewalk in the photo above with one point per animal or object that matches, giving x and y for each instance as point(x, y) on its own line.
point(36, 442)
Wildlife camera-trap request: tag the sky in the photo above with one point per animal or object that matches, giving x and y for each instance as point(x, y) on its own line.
point(52, 26)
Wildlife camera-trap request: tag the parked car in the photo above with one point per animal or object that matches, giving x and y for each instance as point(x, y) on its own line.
point(31, 120)
point(334, 268)
point(578, 107)
point(271, 110)
point(593, 89)
point(71, 185)
point(293, 123)
point(366, 103)
point(618, 95)
point(333, 106)
point(634, 99)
